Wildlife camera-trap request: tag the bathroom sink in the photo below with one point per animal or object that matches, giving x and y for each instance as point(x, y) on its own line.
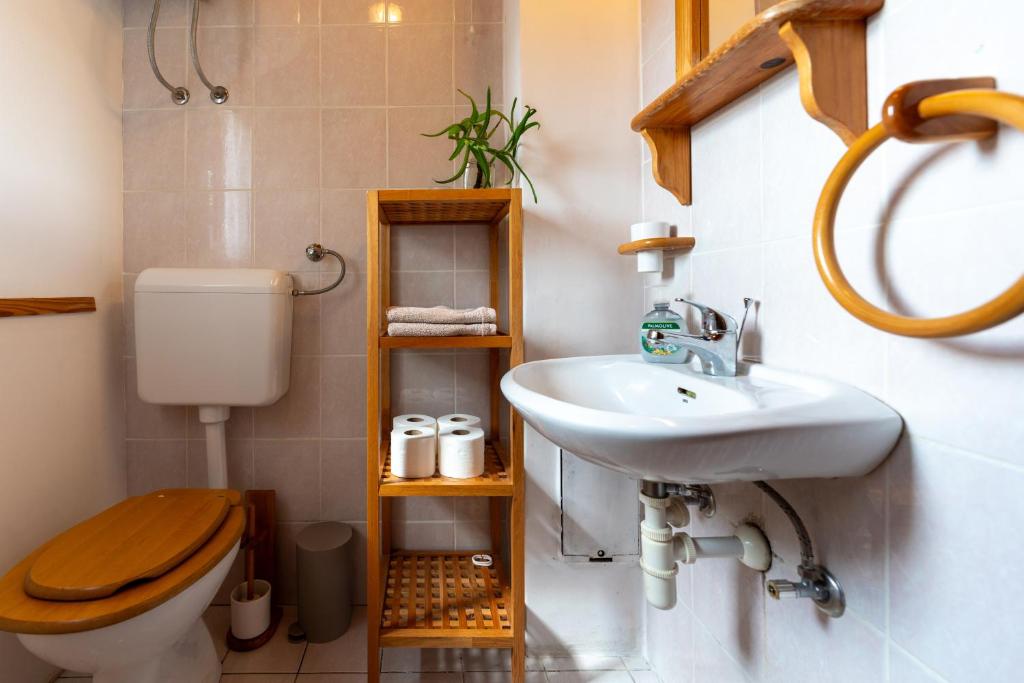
point(672, 423)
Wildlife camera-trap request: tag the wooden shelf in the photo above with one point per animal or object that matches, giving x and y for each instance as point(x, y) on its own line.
point(494, 341)
point(441, 599)
point(53, 305)
point(495, 480)
point(657, 244)
point(830, 34)
point(411, 207)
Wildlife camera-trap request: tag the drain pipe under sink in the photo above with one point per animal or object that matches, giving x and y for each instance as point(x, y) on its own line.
point(661, 547)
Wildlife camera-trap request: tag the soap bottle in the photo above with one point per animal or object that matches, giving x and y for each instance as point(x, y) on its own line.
point(667, 350)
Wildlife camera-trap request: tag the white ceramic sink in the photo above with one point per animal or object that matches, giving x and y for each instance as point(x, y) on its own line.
point(671, 423)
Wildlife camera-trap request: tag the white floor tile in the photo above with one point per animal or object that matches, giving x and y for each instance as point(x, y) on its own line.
point(277, 656)
point(501, 677)
point(331, 678)
point(589, 677)
point(257, 678)
point(346, 654)
point(636, 663)
point(584, 663)
point(421, 678)
point(644, 677)
point(410, 659)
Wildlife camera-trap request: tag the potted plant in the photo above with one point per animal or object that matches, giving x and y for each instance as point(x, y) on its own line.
point(472, 137)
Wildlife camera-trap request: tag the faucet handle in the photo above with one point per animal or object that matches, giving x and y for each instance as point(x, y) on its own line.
point(713, 324)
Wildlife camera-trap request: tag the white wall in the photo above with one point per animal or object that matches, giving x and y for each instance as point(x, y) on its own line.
point(61, 453)
point(924, 545)
point(575, 60)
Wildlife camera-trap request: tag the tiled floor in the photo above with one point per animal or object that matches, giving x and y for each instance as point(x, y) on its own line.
point(344, 661)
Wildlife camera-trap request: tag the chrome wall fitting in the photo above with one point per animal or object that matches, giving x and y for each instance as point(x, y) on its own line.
point(315, 253)
point(816, 582)
point(179, 94)
point(218, 93)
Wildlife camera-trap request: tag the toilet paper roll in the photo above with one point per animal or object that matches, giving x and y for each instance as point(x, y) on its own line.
point(413, 452)
point(446, 423)
point(461, 452)
point(414, 420)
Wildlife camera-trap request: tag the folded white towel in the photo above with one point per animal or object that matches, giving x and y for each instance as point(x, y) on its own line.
point(441, 315)
point(441, 330)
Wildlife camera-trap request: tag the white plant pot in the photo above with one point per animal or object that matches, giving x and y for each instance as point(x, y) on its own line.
point(250, 618)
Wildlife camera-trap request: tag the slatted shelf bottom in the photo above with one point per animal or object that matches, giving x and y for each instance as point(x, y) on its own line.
point(494, 481)
point(443, 596)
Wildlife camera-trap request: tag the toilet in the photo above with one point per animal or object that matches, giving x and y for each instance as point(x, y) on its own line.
point(121, 595)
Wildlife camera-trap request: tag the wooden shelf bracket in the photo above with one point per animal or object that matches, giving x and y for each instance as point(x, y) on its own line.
point(826, 39)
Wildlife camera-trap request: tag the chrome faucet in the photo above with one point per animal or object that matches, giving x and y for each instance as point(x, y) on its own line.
point(718, 342)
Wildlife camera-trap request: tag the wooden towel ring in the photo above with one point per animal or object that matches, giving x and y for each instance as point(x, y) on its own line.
point(1001, 106)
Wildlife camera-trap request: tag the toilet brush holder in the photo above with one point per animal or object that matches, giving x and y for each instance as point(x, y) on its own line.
point(250, 616)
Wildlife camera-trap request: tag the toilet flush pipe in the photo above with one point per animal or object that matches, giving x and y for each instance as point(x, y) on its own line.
point(213, 418)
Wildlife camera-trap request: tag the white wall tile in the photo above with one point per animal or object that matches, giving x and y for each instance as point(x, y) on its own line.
point(953, 520)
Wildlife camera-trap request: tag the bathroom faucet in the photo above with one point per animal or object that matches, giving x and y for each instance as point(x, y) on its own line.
point(718, 342)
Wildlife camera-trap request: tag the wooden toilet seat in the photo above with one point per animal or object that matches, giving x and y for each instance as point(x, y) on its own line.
point(122, 562)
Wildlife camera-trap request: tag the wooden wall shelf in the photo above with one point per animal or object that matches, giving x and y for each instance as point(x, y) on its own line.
point(51, 306)
point(421, 598)
point(657, 244)
point(826, 40)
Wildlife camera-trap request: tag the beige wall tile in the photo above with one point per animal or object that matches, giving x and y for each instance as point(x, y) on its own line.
point(422, 247)
point(472, 247)
point(472, 288)
point(424, 509)
point(420, 64)
point(344, 314)
point(354, 148)
point(286, 12)
point(352, 69)
point(227, 56)
point(423, 383)
point(286, 66)
point(153, 150)
point(219, 152)
point(478, 61)
point(292, 468)
point(306, 316)
point(225, 13)
point(415, 11)
point(287, 149)
point(154, 230)
point(285, 222)
point(128, 312)
point(343, 226)
point(476, 11)
point(172, 13)
point(218, 230)
point(343, 393)
point(343, 487)
point(436, 288)
point(141, 89)
point(414, 160)
point(473, 386)
point(297, 413)
point(154, 465)
point(351, 11)
point(149, 420)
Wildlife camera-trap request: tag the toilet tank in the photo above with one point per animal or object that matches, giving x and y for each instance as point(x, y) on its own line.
point(213, 336)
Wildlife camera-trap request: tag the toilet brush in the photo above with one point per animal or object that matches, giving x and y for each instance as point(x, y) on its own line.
point(253, 618)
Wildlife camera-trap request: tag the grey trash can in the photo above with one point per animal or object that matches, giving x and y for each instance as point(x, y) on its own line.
point(323, 558)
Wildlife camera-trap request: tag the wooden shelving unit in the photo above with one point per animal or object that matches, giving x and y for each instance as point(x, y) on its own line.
point(824, 38)
point(427, 598)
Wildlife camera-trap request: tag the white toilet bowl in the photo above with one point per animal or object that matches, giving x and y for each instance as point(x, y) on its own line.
point(167, 644)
